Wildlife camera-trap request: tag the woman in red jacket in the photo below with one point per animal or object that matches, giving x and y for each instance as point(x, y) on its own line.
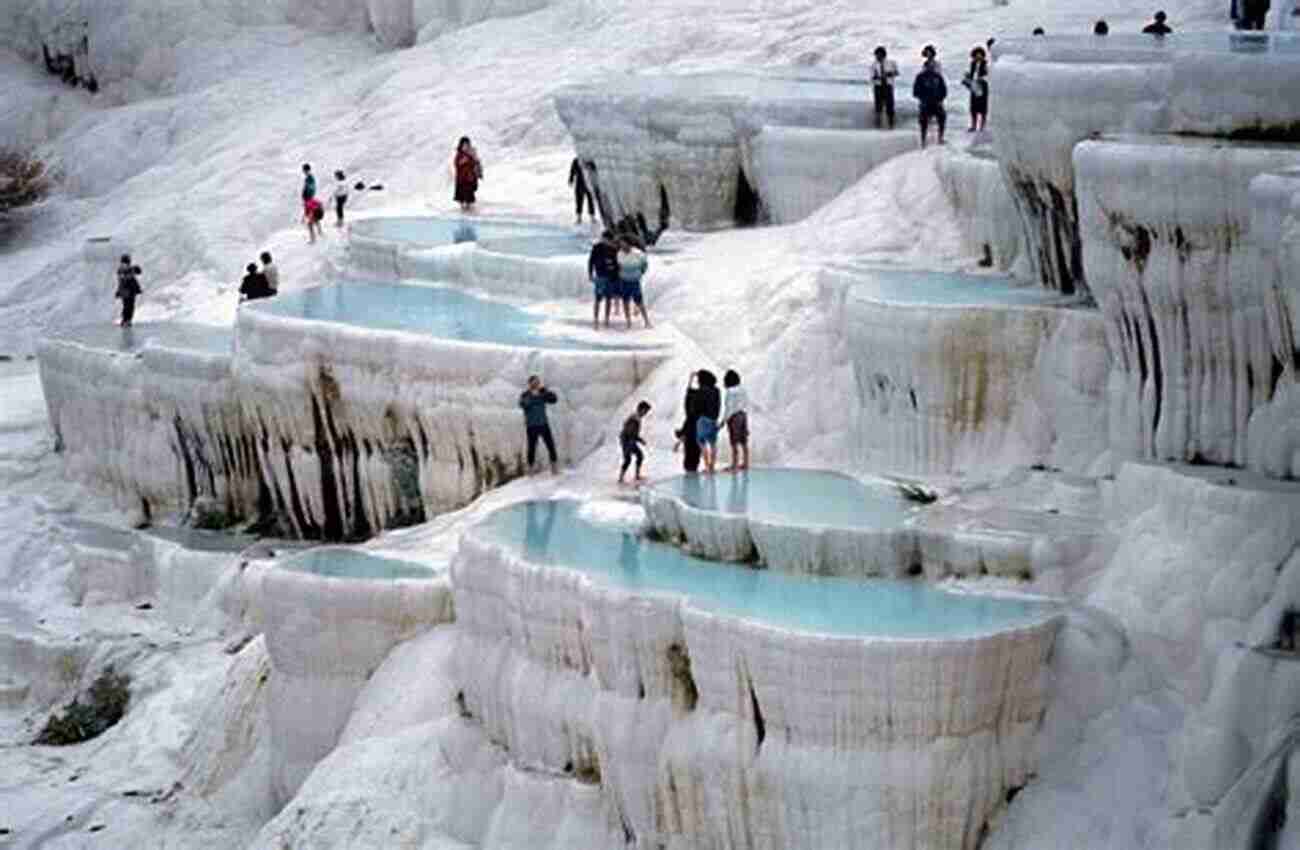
point(467, 170)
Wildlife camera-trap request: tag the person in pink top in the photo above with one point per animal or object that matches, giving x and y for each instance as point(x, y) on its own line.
point(312, 215)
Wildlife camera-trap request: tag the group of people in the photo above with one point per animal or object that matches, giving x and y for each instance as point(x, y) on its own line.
point(930, 90)
point(260, 283)
point(708, 411)
point(615, 268)
point(313, 211)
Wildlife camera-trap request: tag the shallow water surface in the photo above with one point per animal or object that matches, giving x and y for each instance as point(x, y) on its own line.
point(808, 497)
point(437, 311)
point(554, 533)
point(339, 562)
point(186, 336)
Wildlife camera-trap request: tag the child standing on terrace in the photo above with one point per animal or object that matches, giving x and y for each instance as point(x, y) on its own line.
point(735, 415)
point(631, 441)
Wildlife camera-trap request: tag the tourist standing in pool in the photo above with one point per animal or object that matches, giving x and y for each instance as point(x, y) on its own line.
point(686, 434)
point(977, 81)
point(536, 426)
point(602, 270)
point(706, 427)
point(467, 170)
point(128, 288)
point(632, 265)
point(631, 441)
point(578, 181)
point(735, 415)
point(930, 90)
point(1158, 25)
point(883, 73)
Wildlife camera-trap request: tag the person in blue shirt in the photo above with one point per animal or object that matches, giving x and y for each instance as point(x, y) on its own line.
point(533, 401)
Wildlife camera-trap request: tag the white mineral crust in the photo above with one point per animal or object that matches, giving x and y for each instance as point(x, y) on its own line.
point(1170, 259)
point(708, 731)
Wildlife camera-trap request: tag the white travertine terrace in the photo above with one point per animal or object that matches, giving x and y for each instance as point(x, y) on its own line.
point(986, 210)
point(689, 139)
point(973, 379)
point(1056, 92)
point(362, 429)
point(701, 728)
point(1273, 439)
point(797, 170)
point(1166, 227)
point(326, 634)
point(152, 420)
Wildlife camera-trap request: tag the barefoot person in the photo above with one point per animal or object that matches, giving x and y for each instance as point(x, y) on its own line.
point(533, 401)
point(686, 434)
point(128, 288)
point(706, 426)
point(930, 91)
point(312, 215)
point(977, 81)
point(631, 441)
point(578, 181)
point(883, 73)
point(632, 265)
point(602, 270)
point(340, 197)
point(735, 414)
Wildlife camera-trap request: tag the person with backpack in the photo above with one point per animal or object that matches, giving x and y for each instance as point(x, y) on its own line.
point(128, 288)
point(930, 91)
point(578, 181)
point(467, 171)
point(883, 72)
point(533, 401)
point(254, 285)
point(977, 81)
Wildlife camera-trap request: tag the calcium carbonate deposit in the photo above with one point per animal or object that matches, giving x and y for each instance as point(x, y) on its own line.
point(1011, 561)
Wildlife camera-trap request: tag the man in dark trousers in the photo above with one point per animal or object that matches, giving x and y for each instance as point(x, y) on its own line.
point(686, 434)
point(930, 90)
point(602, 269)
point(128, 288)
point(883, 72)
point(578, 181)
point(1253, 14)
point(533, 401)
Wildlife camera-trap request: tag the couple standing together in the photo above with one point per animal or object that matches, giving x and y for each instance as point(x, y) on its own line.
point(615, 268)
point(706, 413)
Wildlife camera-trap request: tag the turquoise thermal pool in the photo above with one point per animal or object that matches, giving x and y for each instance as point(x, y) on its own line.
point(555, 534)
point(437, 311)
point(803, 497)
point(343, 563)
point(508, 237)
point(185, 336)
point(947, 289)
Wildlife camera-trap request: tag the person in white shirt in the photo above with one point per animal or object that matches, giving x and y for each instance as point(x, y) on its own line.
point(883, 72)
point(735, 409)
point(272, 273)
point(340, 196)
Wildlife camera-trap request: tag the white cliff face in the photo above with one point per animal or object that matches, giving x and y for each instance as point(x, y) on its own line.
point(362, 430)
point(970, 379)
point(326, 633)
point(1044, 109)
point(693, 727)
point(986, 210)
point(797, 170)
point(156, 426)
point(1171, 260)
point(1273, 440)
point(681, 146)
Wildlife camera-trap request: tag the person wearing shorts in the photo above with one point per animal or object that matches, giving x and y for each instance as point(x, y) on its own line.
point(602, 269)
point(632, 265)
point(706, 427)
point(735, 414)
